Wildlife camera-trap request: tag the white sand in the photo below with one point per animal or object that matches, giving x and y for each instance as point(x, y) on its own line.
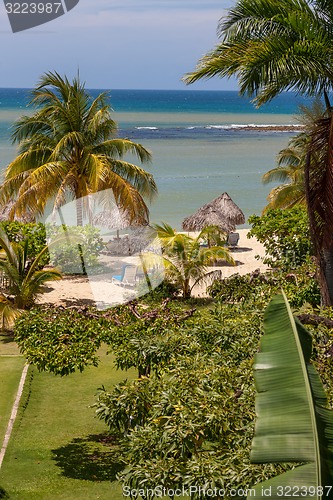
point(244, 256)
point(101, 291)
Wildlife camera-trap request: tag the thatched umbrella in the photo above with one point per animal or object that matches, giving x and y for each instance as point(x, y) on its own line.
point(229, 209)
point(117, 219)
point(221, 212)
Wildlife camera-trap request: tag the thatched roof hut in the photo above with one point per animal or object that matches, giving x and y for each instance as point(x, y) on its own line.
point(117, 219)
point(221, 212)
point(207, 216)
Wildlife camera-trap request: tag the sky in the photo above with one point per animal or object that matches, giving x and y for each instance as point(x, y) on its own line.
point(116, 44)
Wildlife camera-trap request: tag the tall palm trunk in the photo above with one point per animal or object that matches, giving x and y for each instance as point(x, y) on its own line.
point(325, 273)
point(79, 222)
point(79, 212)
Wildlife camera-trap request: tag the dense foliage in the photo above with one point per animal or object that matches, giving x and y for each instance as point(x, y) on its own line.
point(285, 236)
point(65, 255)
point(188, 418)
point(300, 286)
point(35, 233)
point(57, 340)
point(191, 421)
point(78, 250)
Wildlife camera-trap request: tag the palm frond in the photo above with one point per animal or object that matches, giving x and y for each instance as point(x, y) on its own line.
point(8, 313)
point(269, 46)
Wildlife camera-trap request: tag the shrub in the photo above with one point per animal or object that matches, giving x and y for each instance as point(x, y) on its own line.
point(300, 287)
point(191, 422)
point(35, 233)
point(59, 341)
point(68, 256)
point(285, 236)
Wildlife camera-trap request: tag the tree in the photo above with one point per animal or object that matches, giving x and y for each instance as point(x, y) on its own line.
point(69, 147)
point(289, 171)
point(273, 46)
point(291, 163)
point(186, 260)
point(25, 279)
point(284, 235)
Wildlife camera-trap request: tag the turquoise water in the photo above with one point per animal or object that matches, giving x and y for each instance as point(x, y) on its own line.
point(203, 143)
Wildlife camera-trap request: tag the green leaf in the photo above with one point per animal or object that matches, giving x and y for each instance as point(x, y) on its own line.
point(293, 421)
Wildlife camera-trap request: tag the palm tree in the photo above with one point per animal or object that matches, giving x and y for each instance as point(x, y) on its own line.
point(184, 258)
point(278, 45)
point(25, 279)
point(69, 148)
point(291, 162)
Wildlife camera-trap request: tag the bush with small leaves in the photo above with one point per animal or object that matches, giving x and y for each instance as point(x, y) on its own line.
point(285, 236)
point(59, 341)
point(126, 407)
point(73, 257)
point(35, 233)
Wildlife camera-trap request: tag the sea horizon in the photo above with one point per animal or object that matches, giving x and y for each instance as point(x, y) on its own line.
point(203, 142)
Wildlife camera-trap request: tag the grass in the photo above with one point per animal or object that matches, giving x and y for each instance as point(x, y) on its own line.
point(58, 450)
point(11, 366)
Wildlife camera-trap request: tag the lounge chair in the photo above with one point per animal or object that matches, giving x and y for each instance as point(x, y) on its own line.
point(233, 239)
point(127, 277)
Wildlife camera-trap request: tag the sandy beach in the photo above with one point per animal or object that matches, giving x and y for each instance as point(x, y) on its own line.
point(99, 289)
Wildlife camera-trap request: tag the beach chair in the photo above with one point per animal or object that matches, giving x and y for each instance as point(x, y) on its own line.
point(233, 239)
point(127, 277)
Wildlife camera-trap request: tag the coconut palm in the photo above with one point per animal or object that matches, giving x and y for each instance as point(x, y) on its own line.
point(291, 162)
point(186, 261)
point(272, 46)
point(69, 148)
point(278, 45)
point(25, 279)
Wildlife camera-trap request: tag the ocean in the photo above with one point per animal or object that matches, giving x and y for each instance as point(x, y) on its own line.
point(203, 143)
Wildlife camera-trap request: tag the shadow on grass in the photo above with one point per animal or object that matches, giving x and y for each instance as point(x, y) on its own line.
point(3, 494)
point(94, 458)
point(7, 339)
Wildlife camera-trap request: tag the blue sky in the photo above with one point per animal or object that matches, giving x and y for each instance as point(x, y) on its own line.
point(143, 44)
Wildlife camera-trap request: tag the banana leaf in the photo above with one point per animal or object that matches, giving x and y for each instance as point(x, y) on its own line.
point(293, 422)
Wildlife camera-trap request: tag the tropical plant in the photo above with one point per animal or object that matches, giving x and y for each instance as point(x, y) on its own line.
point(293, 423)
point(272, 46)
point(192, 419)
point(24, 276)
point(68, 147)
point(285, 236)
point(289, 171)
point(291, 163)
point(66, 255)
point(185, 258)
point(19, 232)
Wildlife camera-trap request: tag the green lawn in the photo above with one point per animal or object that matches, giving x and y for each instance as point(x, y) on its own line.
point(58, 449)
point(11, 366)
point(10, 373)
